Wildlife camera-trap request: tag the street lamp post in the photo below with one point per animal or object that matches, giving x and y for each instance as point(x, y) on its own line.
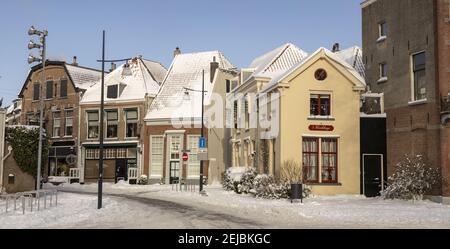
point(102, 115)
point(32, 59)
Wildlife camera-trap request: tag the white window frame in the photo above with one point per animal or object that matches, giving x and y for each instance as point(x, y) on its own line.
point(87, 123)
point(65, 121)
point(152, 174)
point(54, 124)
point(413, 87)
point(382, 37)
point(106, 117)
point(193, 153)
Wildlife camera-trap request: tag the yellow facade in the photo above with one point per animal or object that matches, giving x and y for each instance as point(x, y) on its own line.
point(295, 120)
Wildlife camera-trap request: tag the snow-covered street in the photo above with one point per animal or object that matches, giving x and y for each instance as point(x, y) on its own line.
point(157, 206)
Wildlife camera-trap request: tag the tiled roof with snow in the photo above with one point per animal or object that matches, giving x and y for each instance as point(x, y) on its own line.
point(83, 77)
point(277, 61)
point(337, 58)
point(157, 70)
point(354, 57)
point(186, 73)
point(136, 80)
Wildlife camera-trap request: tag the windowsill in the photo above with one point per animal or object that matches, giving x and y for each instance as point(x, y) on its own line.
point(324, 184)
point(48, 99)
point(381, 39)
point(131, 138)
point(111, 138)
point(418, 102)
point(382, 80)
point(326, 118)
point(67, 137)
point(55, 137)
point(63, 97)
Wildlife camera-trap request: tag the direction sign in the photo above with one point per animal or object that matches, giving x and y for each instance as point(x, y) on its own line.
point(202, 143)
point(185, 157)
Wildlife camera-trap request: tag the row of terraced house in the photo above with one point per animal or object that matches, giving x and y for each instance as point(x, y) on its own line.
point(346, 115)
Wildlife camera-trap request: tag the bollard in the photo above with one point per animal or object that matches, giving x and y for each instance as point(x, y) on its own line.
point(38, 196)
point(15, 199)
point(56, 197)
point(23, 204)
point(45, 200)
point(7, 198)
point(30, 198)
point(51, 198)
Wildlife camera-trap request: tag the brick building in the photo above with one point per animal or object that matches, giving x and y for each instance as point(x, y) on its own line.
point(65, 84)
point(407, 56)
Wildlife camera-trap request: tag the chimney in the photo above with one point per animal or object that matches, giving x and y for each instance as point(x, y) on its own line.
point(113, 67)
point(213, 68)
point(336, 48)
point(176, 52)
point(74, 62)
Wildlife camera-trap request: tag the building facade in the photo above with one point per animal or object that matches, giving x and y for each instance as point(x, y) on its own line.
point(407, 57)
point(64, 86)
point(13, 112)
point(174, 120)
point(313, 108)
point(129, 91)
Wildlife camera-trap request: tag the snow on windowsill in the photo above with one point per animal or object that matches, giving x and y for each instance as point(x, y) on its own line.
point(382, 80)
point(329, 118)
point(418, 102)
point(381, 38)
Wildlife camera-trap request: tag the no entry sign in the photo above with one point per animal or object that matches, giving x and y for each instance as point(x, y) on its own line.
point(185, 157)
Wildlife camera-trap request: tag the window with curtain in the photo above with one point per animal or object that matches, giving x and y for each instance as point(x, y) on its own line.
point(68, 131)
point(311, 160)
point(320, 105)
point(329, 160)
point(56, 124)
point(193, 162)
point(132, 122)
point(112, 120)
point(93, 125)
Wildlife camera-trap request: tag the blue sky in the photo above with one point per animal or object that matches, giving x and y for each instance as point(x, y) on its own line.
point(242, 30)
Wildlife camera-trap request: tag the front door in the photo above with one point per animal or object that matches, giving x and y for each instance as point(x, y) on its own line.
point(174, 172)
point(121, 170)
point(373, 175)
point(175, 143)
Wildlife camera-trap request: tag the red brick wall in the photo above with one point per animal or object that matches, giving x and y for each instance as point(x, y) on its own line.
point(160, 130)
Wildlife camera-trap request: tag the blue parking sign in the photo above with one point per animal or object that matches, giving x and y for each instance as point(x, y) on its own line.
point(202, 143)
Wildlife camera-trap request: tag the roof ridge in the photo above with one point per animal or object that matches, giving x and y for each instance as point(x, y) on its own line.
point(276, 57)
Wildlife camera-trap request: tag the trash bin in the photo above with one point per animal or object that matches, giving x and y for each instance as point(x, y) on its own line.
point(296, 192)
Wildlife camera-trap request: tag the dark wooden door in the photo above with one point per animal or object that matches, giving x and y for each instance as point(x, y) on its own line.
point(372, 175)
point(174, 172)
point(121, 170)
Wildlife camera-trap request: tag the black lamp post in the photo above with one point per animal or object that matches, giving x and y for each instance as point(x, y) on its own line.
point(102, 115)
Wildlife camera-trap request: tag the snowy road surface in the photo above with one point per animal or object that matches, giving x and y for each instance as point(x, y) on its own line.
point(158, 206)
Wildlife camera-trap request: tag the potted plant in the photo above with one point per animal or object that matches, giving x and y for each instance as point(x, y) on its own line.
point(291, 172)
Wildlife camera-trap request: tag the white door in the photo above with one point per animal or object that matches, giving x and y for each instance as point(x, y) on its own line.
point(174, 148)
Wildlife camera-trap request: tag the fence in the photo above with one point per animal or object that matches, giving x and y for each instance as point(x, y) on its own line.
point(183, 185)
point(132, 174)
point(28, 201)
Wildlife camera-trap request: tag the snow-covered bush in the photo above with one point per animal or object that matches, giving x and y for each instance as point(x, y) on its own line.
point(227, 181)
point(143, 180)
point(411, 180)
point(246, 184)
point(267, 187)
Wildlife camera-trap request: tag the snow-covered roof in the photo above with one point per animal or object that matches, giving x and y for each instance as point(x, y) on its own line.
point(136, 82)
point(354, 57)
point(337, 58)
point(157, 70)
point(83, 77)
point(174, 100)
point(277, 61)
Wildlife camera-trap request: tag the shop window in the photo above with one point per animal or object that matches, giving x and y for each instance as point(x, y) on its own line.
point(311, 159)
point(327, 166)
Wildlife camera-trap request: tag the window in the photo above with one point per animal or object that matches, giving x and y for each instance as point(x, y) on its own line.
point(132, 122)
point(235, 114)
point(36, 90)
point(93, 125)
point(156, 158)
point(419, 73)
point(121, 153)
point(193, 162)
point(329, 160)
point(92, 154)
point(69, 123)
point(56, 124)
point(328, 153)
point(110, 153)
point(320, 105)
point(383, 71)
point(112, 120)
point(112, 92)
point(382, 30)
point(311, 159)
point(247, 113)
point(228, 86)
point(63, 89)
point(49, 90)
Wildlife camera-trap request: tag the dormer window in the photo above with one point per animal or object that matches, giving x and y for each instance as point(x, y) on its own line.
point(113, 92)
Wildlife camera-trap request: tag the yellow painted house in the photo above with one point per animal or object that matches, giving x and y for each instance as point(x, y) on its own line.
point(315, 106)
point(319, 114)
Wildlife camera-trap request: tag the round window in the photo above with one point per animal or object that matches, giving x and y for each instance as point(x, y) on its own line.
point(320, 74)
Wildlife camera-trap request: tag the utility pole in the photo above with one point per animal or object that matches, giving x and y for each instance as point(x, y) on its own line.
point(102, 107)
point(202, 132)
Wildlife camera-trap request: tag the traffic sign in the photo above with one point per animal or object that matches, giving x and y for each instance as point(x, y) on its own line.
point(202, 143)
point(185, 157)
